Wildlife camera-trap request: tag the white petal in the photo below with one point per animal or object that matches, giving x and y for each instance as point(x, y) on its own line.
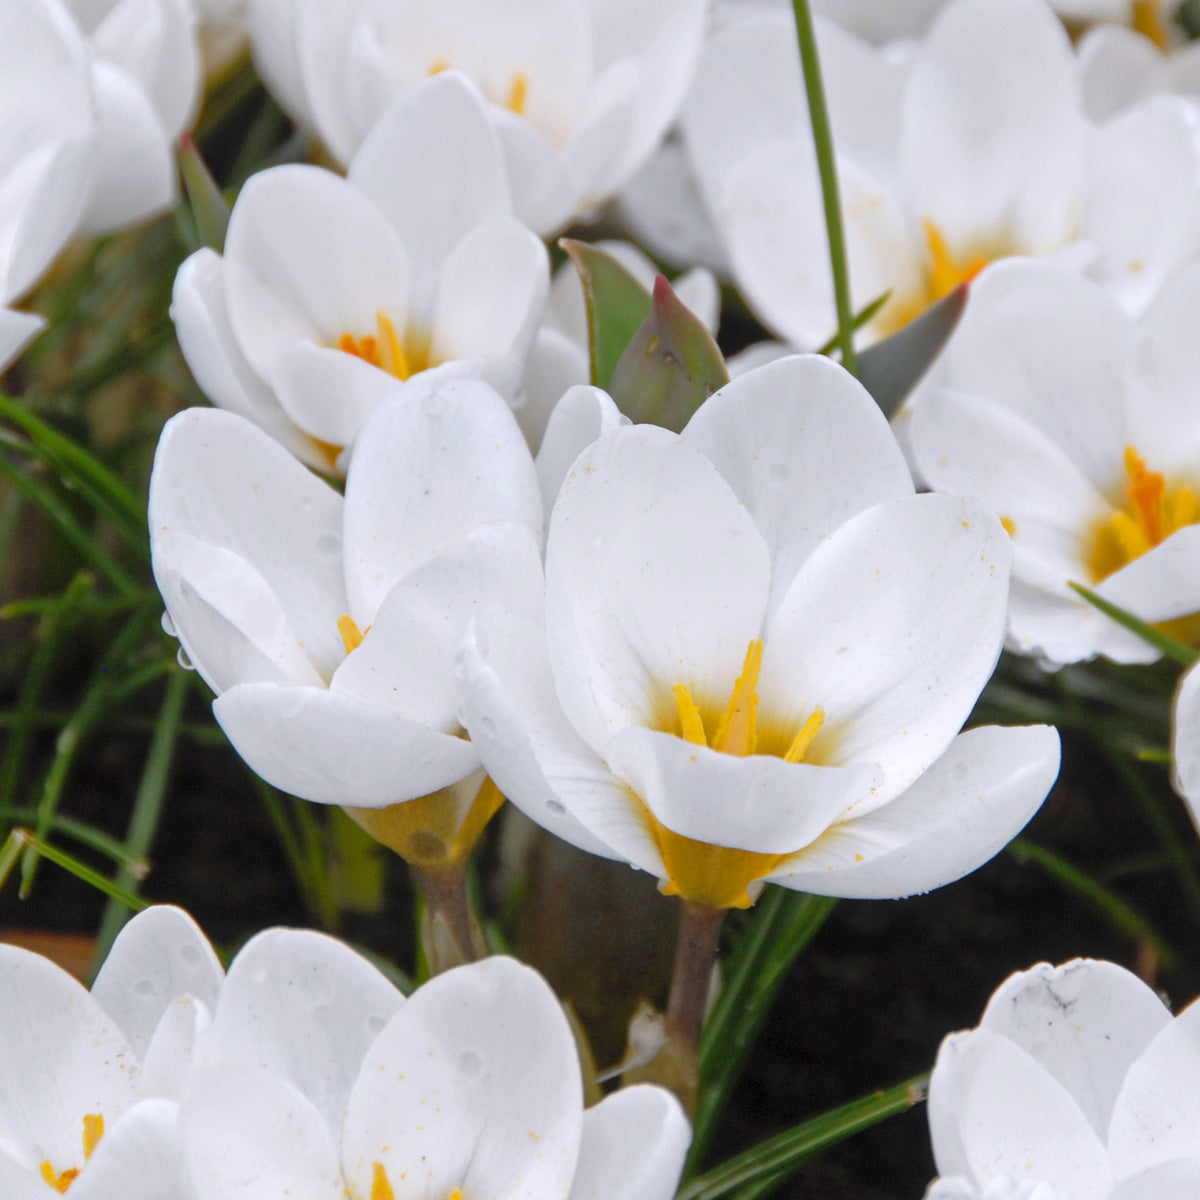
point(1178, 1180)
point(1185, 743)
point(655, 576)
point(992, 131)
point(531, 751)
point(133, 173)
point(544, 193)
point(804, 448)
point(634, 1144)
point(474, 1084)
point(219, 479)
point(428, 468)
point(1157, 1111)
point(759, 803)
point(1084, 1022)
point(17, 330)
point(892, 627)
point(180, 1040)
point(1117, 66)
point(333, 749)
point(963, 810)
point(248, 1136)
point(582, 415)
point(305, 1008)
point(137, 1158)
point(158, 957)
point(554, 366)
point(1164, 583)
point(308, 256)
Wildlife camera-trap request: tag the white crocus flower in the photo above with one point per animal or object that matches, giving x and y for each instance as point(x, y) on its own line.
point(559, 358)
point(331, 289)
point(1119, 67)
point(580, 91)
point(329, 1084)
point(1078, 427)
point(1185, 743)
point(89, 1083)
point(971, 147)
point(328, 626)
point(1077, 1085)
point(759, 649)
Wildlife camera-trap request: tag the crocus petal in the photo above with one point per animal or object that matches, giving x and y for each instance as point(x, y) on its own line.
point(1043, 1137)
point(634, 1144)
point(555, 365)
point(442, 128)
point(1116, 67)
point(220, 368)
point(308, 256)
point(1084, 1022)
point(1178, 1180)
point(249, 1136)
point(133, 175)
point(19, 1182)
point(532, 752)
point(17, 330)
point(137, 1158)
point(962, 811)
point(179, 1041)
point(982, 154)
point(759, 803)
point(1164, 583)
point(891, 628)
point(804, 448)
point(634, 605)
point(475, 1084)
point(334, 749)
point(303, 1007)
point(429, 467)
point(61, 1058)
point(158, 957)
point(1157, 1110)
point(1185, 743)
point(543, 192)
point(582, 415)
point(219, 479)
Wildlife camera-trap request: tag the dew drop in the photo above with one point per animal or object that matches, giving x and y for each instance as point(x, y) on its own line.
point(375, 1023)
point(168, 625)
point(960, 772)
point(487, 726)
point(144, 989)
point(469, 1063)
point(190, 955)
point(553, 806)
point(329, 545)
point(780, 472)
point(182, 659)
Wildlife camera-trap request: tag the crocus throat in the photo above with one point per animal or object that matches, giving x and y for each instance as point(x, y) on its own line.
point(1152, 512)
point(1147, 18)
point(93, 1131)
point(719, 875)
point(386, 350)
point(382, 1190)
point(518, 86)
point(352, 636)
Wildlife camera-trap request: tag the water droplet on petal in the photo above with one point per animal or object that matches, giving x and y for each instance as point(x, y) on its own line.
point(469, 1063)
point(487, 726)
point(960, 772)
point(375, 1023)
point(168, 625)
point(329, 545)
point(780, 472)
point(190, 954)
point(182, 659)
point(144, 989)
point(553, 806)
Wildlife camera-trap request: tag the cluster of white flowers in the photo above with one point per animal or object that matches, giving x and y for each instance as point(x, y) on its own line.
point(738, 654)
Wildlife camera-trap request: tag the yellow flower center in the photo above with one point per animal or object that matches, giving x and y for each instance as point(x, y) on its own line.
point(1147, 18)
point(386, 350)
point(718, 875)
point(93, 1131)
point(1152, 512)
point(518, 86)
point(352, 636)
point(382, 1190)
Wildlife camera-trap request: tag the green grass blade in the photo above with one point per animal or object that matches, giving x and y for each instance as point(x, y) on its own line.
point(1181, 652)
point(43, 849)
point(782, 924)
point(773, 1160)
point(84, 834)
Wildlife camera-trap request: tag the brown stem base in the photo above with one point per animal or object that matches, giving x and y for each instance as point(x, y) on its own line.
point(450, 934)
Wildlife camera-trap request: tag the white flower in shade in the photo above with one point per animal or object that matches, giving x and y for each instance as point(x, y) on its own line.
point(328, 626)
point(331, 289)
point(559, 359)
point(1077, 1085)
point(760, 647)
point(326, 1082)
point(88, 1083)
point(969, 147)
point(1185, 743)
point(1079, 428)
point(580, 91)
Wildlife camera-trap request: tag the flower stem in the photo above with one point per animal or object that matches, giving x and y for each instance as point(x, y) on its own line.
point(450, 934)
point(818, 112)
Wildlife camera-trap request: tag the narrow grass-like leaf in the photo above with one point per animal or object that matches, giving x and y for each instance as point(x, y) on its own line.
point(860, 319)
point(616, 306)
point(1121, 915)
point(39, 846)
point(773, 1160)
point(84, 834)
point(781, 925)
point(208, 206)
point(302, 840)
point(1181, 652)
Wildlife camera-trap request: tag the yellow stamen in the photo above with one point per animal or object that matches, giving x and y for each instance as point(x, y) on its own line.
point(516, 93)
point(1151, 515)
point(945, 271)
point(455, 1195)
point(736, 733)
point(93, 1131)
point(802, 740)
point(689, 716)
point(380, 1188)
point(1010, 526)
point(58, 1181)
point(352, 637)
point(383, 349)
point(1147, 19)
point(439, 65)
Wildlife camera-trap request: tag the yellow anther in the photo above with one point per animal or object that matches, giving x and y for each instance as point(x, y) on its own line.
point(455, 1195)
point(1146, 18)
point(93, 1131)
point(1010, 526)
point(802, 740)
point(690, 720)
point(945, 271)
point(380, 1188)
point(383, 349)
point(439, 65)
point(517, 91)
point(1146, 490)
point(61, 1180)
point(736, 733)
point(352, 637)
